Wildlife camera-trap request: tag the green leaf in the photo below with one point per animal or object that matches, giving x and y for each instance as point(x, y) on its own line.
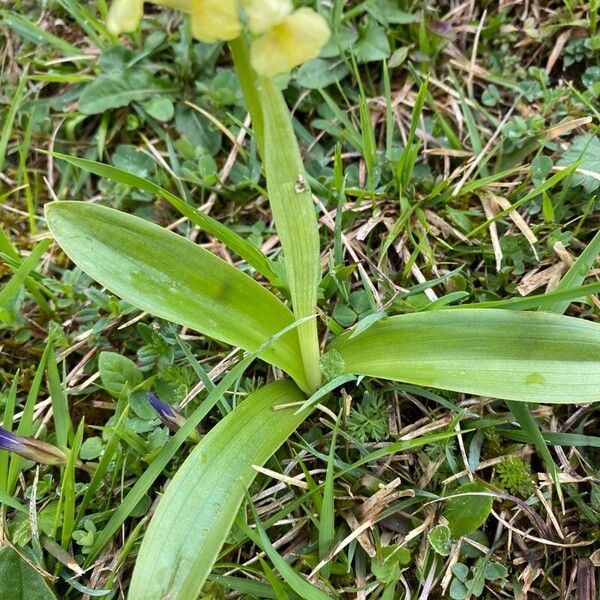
point(470, 511)
point(576, 274)
point(8, 500)
point(461, 571)
point(327, 513)
point(200, 504)
point(38, 35)
point(387, 12)
point(295, 217)
point(18, 578)
point(171, 277)
point(372, 43)
point(121, 89)
point(531, 357)
point(494, 571)
point(144, 483)
point(18, 279)
point(387, 566)
point(440, 539)
point(91, 448)
point(60, 402)
point(587, 149)
point(319, 73)
point(298, 583)
point(161, 108)
point(243, 248)
point(132, 160)
point(140, 405)
point(118, 373)
point(458, 590)
point(10, 115)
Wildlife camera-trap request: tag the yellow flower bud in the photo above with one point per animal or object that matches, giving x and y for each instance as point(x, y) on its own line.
point(298, 38)
point(264, 14)
point(214, 20)
point(124, 15)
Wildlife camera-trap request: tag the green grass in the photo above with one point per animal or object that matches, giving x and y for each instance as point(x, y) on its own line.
point(399, 132)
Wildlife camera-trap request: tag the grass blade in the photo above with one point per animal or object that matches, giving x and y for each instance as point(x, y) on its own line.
point(575, 275)
point(60, 404)
point(559, 297)
point(20, 275)
point(296, 582)
point(537, 190)
point(39, 36)
point(327, 516)
point(9, 119)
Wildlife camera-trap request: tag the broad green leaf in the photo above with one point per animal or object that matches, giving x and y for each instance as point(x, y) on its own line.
point(586, 148)
point(243, 248)
point(387, 12)
point(295, 217)
point(372, 43)
point(18, 577)
point(319, 73)
point(146, 480)
point(166, 275)
point(113, 90)
point(118, 373)
point(469, 509)
point(201, 503)
point(532, 357)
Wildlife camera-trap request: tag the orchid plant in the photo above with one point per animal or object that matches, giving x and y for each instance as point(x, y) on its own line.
point(477, 349)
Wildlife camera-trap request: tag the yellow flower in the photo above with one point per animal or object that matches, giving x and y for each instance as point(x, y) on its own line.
point(264, 14)
point(296, 39)
point(214, 20)
point(124, 15)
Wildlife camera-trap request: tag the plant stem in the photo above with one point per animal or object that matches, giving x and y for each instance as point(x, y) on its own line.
point(290, 200)
point(248, 79)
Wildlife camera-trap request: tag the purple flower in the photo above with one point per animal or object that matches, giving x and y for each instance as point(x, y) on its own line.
point(31, 449)
point(164, 410)
point(168, 415)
